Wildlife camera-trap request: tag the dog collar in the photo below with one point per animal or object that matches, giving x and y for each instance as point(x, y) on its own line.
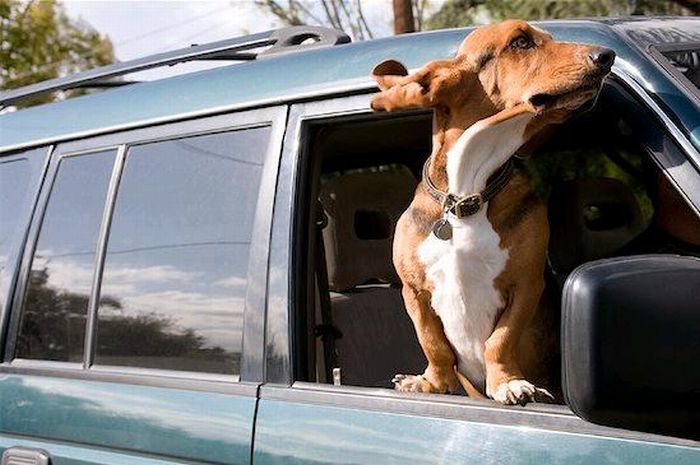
point(468, 205)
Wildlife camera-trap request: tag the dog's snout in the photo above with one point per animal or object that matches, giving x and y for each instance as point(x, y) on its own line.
point(602, 57)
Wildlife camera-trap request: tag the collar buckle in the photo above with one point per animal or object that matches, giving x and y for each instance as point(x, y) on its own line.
point(471, 204)
point(468, 206)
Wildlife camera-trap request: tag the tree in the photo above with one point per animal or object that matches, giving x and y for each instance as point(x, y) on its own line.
point(346, 15)
point(54, 323)
point(456, 13)
point(403, 17)
point(38, 41)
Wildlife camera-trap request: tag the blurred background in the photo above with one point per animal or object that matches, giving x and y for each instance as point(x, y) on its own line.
point(41, 40)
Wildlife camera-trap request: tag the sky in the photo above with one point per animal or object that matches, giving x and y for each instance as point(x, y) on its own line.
point(140, 28)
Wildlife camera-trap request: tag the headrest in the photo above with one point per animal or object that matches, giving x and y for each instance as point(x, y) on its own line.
point(590, 219)
point(363, 207)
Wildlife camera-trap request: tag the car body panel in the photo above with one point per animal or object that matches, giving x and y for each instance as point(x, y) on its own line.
point(298, 433)
point(73, 454)
point(298, 76)
point(197, 425)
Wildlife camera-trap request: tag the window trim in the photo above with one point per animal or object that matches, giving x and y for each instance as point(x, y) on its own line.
point(253, 320)
point(193, 381)
point(100, 255)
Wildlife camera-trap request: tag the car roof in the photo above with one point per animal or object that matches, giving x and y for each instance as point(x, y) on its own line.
point(295, 77)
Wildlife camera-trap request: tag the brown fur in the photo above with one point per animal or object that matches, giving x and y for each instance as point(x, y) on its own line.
point(490, 74)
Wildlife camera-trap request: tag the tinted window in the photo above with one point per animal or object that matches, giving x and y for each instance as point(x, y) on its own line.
point(174, 281)
point(55, 307)
point(687, 62)
point(14, 185)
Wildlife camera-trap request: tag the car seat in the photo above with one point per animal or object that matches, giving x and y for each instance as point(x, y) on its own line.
point(375, 338)
point(589, 219)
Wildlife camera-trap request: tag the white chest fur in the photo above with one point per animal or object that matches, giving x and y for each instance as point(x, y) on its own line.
point(464, 268)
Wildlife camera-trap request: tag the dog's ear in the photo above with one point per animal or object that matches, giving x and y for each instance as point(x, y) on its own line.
point(388, 73)
point(424, 88)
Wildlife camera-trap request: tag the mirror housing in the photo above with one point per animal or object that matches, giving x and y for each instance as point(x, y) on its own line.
point(631, 343)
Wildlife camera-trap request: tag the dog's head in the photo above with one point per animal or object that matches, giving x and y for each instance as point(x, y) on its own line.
point(497, 67)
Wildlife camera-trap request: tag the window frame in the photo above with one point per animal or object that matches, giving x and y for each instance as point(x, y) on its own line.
point(251, 370)
point(281, 345)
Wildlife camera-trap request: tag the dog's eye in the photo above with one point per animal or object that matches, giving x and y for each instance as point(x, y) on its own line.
point(522, 42)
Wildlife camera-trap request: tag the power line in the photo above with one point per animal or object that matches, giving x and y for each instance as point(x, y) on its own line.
point(186, 39)
point(217, 25)
point(168, 27)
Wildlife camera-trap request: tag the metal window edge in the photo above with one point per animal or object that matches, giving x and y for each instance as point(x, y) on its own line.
point(182, 380)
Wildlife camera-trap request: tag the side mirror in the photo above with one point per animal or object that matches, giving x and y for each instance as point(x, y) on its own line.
point(631, 343)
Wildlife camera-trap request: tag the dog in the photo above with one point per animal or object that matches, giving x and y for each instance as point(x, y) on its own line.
point(471, 248)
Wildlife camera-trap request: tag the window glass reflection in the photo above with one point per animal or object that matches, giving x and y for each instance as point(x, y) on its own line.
point(55, 306)
point(174, 281)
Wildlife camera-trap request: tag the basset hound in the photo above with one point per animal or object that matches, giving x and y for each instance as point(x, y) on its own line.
point(471, 247)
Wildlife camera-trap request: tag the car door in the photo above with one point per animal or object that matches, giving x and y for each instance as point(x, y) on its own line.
point(135, 330)
point(312, 423)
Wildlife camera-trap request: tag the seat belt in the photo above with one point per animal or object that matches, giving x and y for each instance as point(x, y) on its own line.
point(325, 330)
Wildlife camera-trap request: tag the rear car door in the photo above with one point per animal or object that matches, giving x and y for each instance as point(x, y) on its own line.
point(134, 333)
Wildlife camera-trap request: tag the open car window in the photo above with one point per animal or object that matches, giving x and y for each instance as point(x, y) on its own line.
point(596, 175)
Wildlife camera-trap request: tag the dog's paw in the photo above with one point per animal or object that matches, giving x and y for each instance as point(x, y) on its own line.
point(410, 383)
point(519, 391)
point(427, 382)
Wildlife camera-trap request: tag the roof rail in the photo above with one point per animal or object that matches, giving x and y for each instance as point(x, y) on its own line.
point(285, 40)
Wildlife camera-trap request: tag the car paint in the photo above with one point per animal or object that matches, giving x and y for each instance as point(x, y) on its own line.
point(177, 423)
point(335, 435)
point(128, 421)
point(298, 76)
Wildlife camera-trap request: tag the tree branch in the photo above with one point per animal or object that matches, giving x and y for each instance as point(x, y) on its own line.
point(362, 20)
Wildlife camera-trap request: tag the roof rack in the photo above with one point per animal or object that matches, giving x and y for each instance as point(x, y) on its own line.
point(285, 40)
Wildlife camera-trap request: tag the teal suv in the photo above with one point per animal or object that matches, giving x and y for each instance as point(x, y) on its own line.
point(197, 269)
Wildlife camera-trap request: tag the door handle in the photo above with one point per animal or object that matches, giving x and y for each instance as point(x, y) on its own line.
point(19, 455)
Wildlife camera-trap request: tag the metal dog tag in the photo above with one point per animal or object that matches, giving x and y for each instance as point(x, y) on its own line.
point(442, 229)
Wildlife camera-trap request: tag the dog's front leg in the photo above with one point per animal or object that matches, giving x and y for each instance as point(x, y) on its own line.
point(505, 382)
point(439, 376)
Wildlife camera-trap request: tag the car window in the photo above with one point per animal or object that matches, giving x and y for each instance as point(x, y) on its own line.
point(19, 176)
point(175, 273)
point(687, 61)
point(55, 307)
point(14, 184)
point(596, 175)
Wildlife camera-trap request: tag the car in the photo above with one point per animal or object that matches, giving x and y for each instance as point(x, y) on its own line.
point(197, 268)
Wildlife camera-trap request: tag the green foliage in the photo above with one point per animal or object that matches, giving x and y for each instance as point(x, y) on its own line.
point(56, 327)
point(457, 13)
point(38, 41)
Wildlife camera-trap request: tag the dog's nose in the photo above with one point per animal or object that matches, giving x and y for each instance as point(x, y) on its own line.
point(602, 57)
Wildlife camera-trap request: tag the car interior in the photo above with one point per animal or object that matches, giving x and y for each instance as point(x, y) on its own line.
point(596, 177)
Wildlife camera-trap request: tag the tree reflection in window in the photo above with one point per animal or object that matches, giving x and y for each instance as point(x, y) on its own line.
point(55, 307)
point(177, 256)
